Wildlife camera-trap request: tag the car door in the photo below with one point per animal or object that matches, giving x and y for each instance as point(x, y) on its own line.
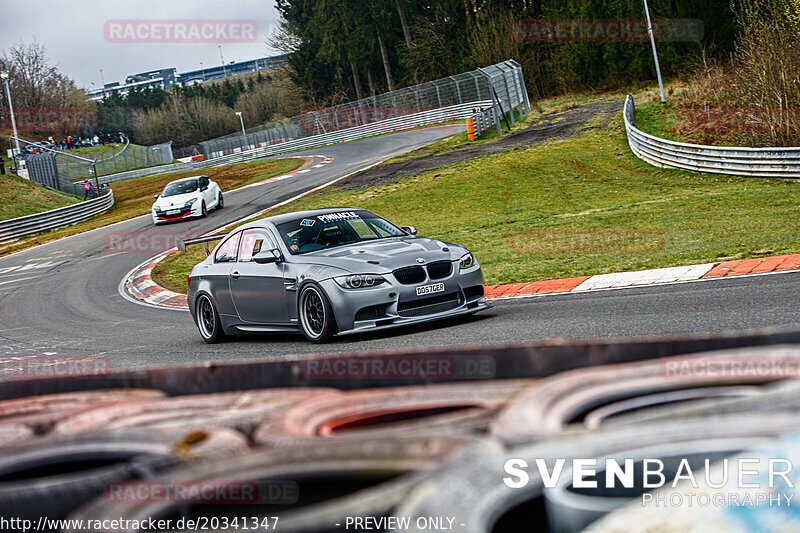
point(258, 290)
point(208, 193)
point(218, 273)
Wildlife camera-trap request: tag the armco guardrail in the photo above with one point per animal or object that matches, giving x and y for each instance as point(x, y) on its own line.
point(737, 161)
point(424, 118)
point(16, 228)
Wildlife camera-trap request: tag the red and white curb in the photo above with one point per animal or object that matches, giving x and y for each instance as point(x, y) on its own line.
point(140, 285)
point(641, 278)
point(324, 160)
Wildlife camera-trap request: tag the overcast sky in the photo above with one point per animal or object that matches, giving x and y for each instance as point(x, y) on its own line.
point(73, 32)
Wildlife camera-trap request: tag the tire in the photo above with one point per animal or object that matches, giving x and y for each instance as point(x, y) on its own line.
point(773, 398)
point(242, 411)
point(374, 414)
point(52, 476)
point(578, 396)
point(208, 321)
point(316, 314)
point(361, 479)
point(462, 489)
point(11, 433)
point(220, 201)
point(203, 209)
point(40, 413)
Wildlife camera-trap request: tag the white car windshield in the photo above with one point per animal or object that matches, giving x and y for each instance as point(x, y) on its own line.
point(179, 187)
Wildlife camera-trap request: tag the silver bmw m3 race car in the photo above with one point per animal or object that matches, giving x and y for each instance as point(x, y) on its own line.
point(327, 272)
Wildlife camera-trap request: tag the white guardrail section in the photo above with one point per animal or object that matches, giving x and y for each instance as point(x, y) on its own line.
point(737, 161)
point(16, 228)
point(424, 118)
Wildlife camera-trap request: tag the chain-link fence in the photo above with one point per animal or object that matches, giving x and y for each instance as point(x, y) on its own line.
point(502, 83)
point(129, 157)
point(60, 170)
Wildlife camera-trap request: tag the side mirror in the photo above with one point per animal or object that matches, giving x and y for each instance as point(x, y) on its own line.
point(411, 230)
point(156, 196)
point(267, 256)
point(203, 188)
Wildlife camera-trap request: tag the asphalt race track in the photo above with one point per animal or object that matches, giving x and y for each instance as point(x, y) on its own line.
point(62, 298)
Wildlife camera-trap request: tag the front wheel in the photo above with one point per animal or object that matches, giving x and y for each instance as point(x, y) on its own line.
point(203, 209)
point(220, 201)
point(208, 321)
point(316, 315)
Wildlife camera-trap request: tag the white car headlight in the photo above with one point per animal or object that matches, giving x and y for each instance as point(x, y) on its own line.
point(359, 281)
point(467, 261)
point(190, 202)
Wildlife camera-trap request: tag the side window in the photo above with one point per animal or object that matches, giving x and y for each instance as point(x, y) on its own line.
point(227, 250)
point(362, 229)
point(254, 241)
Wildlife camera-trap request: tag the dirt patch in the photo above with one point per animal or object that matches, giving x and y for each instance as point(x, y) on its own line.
point(563, 125)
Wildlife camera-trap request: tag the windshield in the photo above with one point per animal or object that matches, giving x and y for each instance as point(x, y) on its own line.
point(179, 187)
point(329, 230)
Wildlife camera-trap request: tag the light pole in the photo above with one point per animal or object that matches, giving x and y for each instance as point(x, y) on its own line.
point(241, 121)
point(655, 52)
point(5, 75)
point(103, 81)
point(204, 71)
point(224, 74)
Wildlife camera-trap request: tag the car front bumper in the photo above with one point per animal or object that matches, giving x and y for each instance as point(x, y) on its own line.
point(394, 304)
point(194, 211)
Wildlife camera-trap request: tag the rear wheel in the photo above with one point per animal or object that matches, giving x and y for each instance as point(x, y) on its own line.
point(208, 321)
point(316, 315)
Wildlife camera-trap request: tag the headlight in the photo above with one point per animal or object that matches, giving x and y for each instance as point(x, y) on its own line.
point(360, 281)
point(190, 202)
point(467, 261)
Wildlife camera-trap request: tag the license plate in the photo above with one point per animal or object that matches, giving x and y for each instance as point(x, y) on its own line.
point(173, 212)
point(430, 289)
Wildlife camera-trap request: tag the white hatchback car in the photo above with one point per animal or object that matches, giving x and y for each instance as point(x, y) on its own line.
point(187, 197)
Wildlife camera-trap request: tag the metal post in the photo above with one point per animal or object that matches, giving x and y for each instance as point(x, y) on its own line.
point(497, 120)
point(524, 90)
point(510, 103)
point(458, 90)
point(224, 73)
point(96, 181)
point(5, 75)
point(655, 52)
point(244, 133)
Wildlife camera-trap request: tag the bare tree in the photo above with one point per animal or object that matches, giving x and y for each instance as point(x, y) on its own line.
point(36, 82)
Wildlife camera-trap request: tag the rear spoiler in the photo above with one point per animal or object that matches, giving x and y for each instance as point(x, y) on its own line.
point(204, 240)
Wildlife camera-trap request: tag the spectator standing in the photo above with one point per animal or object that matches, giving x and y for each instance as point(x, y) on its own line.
point(87, 188)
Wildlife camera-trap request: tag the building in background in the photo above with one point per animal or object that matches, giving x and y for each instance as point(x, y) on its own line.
point(166, 78)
